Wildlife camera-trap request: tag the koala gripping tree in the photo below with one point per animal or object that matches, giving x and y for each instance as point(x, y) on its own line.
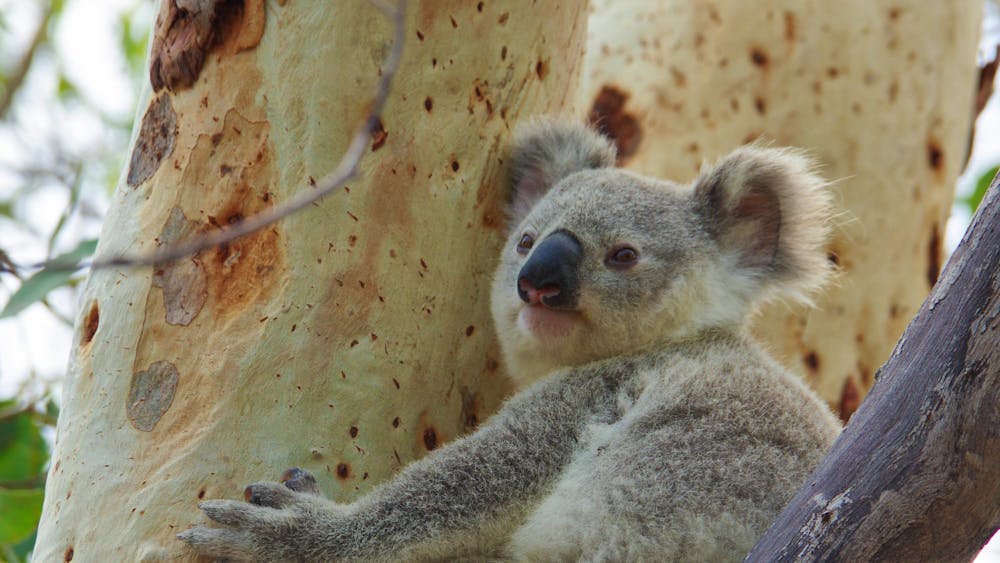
point(348, 339)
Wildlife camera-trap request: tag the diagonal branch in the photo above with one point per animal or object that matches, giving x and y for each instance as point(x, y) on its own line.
point(24, 64)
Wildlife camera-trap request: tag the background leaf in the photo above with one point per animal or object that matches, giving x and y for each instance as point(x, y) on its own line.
point(35, 288)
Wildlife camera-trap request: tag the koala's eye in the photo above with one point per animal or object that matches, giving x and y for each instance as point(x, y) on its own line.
point(525, 244)
point(622, 258)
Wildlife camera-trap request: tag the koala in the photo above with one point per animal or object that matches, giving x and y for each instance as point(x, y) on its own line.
point(650, 426)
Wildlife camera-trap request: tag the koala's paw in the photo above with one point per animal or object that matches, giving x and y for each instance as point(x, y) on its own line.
point(276, 523)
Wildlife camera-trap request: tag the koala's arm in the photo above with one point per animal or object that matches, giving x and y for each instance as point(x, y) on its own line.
point(455, 498)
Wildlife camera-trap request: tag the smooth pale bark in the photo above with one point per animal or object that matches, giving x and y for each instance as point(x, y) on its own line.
point(878, 91)
point(348, 339)
point(916, 475)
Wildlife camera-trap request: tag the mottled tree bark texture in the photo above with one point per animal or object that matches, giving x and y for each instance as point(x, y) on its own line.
point(916, 474)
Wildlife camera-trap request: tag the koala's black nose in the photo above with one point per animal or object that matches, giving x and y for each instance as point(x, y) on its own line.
point(551, 274)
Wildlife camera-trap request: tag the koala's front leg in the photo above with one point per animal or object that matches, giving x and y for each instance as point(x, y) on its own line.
point(464, 497)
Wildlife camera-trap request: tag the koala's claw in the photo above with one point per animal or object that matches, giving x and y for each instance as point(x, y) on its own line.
point(274, 495)
point(300, 480)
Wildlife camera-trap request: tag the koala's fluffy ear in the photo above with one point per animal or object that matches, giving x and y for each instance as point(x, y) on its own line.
point(546, 151)
point(770, 214)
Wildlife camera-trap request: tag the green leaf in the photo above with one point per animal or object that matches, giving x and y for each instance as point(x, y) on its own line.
point(35, 288)
point(982, 185)
point(65, 89)
point(23, 451)
point(21, 511)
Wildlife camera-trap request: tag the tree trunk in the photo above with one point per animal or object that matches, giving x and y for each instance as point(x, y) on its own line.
point(348, 339)
point(879, 92)
point(916, 475)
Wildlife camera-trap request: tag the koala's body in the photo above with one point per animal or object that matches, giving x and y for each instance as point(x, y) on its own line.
point(651, 427)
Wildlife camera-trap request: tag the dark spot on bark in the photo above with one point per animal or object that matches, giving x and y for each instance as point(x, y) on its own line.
point(428, 104)
point(353, 432)
point(343, 470)
point(420, 36)
point(453, 22)
point(354, 343)
point(850, 398)
point(760, 105)
point(812, 361)
point(90, 324)
point(454, 167)
point(470, 410)
point(201, 493)
point(826, 516)
point(609, 117)
point(294, 326)
point(378, 135)
point(434, 62)
point(790, 27)
point(541, 69)
point(933, 256)
point(150, 395)
point(832, 72)
point(935, 155)
point(395, 422)
point(503, 53)
point(430, 439)
point(155, 142)
point(225, 170)
point(894, 13)
point(479, 7)
point(68, 554)
point(492, 365)
point(469, 330)
point(833, 258)
point(893, 311)
point(396, 383)
point(759, 57)
point(502, 20)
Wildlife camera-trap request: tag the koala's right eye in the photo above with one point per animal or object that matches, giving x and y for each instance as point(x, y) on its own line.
point(525, 244)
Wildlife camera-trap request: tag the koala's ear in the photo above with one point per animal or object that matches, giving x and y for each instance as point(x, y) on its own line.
point(770, 213)
point(546, 151)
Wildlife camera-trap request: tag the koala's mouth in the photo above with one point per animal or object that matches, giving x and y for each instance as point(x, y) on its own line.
point(546, 323)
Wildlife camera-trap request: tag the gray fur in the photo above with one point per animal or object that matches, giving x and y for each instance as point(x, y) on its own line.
point(653, 428)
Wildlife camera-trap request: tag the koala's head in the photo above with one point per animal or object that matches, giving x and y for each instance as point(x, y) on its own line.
point(602, 262)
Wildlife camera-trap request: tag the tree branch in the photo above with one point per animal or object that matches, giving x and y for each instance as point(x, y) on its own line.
point(916, 474)
point(24, 65)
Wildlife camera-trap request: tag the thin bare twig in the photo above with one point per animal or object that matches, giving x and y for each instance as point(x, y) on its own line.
point(345, 171)
point(24, 65)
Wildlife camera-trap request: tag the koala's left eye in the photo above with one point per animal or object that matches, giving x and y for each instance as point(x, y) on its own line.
point(622, 258)
point(525, 244)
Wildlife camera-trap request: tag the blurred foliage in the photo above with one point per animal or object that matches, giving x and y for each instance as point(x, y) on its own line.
point(45, 172)
point(972, 201)
point(24, 454)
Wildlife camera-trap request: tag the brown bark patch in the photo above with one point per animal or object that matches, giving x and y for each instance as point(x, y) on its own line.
point(68, 554)
point(155, 142)
point(379, 135)
point(243, 270)
point(430, 439)
point(150, 395)
point(759, 57)
point(933, 256)
point(850, 399)
point(343, 470)
point(935, 155)
point(471, 405)
point(187, 30)
point(90, 324)
point(183, 281)
point(609, 117)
